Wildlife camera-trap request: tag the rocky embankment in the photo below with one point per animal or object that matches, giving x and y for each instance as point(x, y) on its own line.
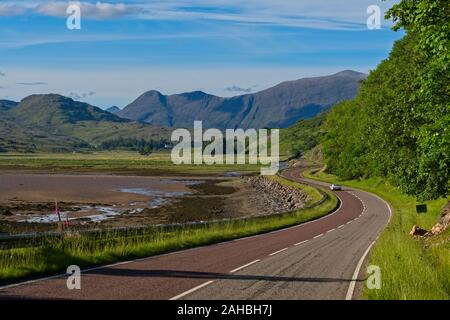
point(277, 197)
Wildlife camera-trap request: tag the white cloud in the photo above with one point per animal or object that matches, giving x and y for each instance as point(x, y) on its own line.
point(317, 14)
point(98, 10)
point(7, 10)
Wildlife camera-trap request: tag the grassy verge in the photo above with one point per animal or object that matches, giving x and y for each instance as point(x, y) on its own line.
point(411, 268)
point(87, 250)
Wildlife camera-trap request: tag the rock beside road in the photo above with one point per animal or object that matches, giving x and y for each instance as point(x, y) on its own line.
point(438, 228)
point(277, 197)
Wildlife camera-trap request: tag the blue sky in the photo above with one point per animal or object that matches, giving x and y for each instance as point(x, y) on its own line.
point(222, 47)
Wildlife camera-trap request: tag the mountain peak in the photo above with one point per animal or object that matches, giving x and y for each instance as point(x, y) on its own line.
point(350, 73)
point(152, 93)
point(113, 109)
point(55, 109)
point(194, 95)
point(276, 107)
point(49, 96)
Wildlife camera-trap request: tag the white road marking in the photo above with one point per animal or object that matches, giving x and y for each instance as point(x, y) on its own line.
point(351, 287)
point(244, 266)
point(302, 242)
point(196, 248)
point(331, 230)
point(318, 236)
point(340, 226)
point(277, 252)
point(181, 295)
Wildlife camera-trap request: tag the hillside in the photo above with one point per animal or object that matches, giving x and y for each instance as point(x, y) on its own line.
point(113, 109)
point(302, 136)
point(6, 105)
point(57, 123)
point(279, 106)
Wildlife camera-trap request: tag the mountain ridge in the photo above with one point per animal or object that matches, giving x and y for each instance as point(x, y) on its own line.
point(278, 106)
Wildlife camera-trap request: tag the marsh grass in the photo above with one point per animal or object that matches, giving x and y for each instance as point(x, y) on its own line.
point(411, 268)
point(56, 254)
point(121, 161)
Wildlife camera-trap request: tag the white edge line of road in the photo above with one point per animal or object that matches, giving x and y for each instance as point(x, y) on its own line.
point(181, 295)
point(351, 287)
point(167, 254)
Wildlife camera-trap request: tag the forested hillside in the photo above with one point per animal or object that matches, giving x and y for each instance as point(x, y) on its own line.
point(398, 126)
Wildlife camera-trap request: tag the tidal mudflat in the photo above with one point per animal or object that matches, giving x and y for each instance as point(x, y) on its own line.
point(27, 200)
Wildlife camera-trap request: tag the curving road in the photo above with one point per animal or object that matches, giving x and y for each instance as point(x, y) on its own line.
point(322, 259)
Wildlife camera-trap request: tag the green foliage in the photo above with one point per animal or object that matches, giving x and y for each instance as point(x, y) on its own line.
point(302, 136)
point(143, 146)
point(398, 125)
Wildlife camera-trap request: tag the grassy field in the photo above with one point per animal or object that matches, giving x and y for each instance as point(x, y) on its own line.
point(55, 254)
point(125, 161)
point(411, 268)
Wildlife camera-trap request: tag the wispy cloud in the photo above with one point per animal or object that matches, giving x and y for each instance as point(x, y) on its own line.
point(8, 10)
point(78, 96)
point(235, 88)
point(318, 14)
point(2, 74)
point(98, 10)
point(32, 83)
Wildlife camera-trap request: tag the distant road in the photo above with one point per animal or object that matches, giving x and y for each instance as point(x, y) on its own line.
point(322, 259)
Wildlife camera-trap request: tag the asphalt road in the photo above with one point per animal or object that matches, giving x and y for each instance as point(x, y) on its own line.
point(322, 259)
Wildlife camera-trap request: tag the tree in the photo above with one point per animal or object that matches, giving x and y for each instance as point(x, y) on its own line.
point(398, 125)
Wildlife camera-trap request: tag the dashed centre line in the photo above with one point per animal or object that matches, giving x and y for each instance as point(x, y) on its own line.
point(244, 266)
point(277, 252)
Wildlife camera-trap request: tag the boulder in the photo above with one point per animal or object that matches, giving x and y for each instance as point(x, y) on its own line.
point(418, 232)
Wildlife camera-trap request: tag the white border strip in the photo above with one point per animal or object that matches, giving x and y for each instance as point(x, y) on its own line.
point(351, 287)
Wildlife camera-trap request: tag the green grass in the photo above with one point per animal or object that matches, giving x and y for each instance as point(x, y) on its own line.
point(411, 268)
point(156, 163)
point(302, 136)
point(55, 254)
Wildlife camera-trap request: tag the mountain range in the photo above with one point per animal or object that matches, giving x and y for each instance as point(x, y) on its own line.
point(113, 109)
point(51, 122)
point(277, 107)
